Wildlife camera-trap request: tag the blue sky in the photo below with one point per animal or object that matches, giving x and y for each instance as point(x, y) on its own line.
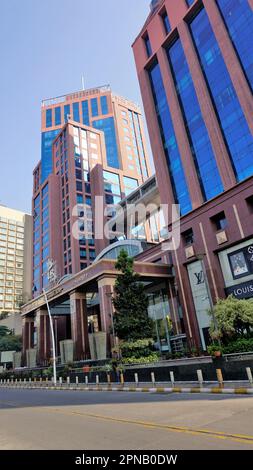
point(45, 47)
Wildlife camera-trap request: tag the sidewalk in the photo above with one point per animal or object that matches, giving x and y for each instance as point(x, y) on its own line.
point(236, 388)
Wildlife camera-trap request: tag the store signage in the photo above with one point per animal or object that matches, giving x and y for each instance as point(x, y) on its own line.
point(241, 291)
point(241, 262)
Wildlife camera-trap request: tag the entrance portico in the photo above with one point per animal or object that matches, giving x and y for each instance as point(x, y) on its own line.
point(71, 299)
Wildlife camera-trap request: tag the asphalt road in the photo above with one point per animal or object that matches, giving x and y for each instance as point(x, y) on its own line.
point(43, 419)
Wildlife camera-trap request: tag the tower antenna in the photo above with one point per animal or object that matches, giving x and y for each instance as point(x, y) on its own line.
point(83, 82)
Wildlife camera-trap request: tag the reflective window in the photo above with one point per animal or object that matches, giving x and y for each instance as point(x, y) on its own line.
point(238, 17)
point(108, 127)
point(57, 116)
point(66, 112)
point(76, 112)
point(85, 112)
point(104, 104)
point(130, 184)
point(234, 125)
point(205, 163)
point(46, 153)
point(49, 118)
point(94, 106)
point(166, 22)
point(190, 2)
point(177, 176)
point(148, 46)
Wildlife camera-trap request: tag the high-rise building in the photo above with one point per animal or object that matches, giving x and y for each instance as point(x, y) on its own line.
point(196, 77)
point(92, 144)
point(15, 259)
point(195, 69)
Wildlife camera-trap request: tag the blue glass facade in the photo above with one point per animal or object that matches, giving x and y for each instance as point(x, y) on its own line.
point(205, 163)
point(177, 176)
point(107, 125)
point(148, 46)
point(94, 107)
point(46, 153)
point(66, 112)
point(232, 120)
point(49, 118)
point(190, 2)
point(104, 105)
point(85, 113)
point(57, 116)
point(238, 18)
point(76, 112)
point(166, 23)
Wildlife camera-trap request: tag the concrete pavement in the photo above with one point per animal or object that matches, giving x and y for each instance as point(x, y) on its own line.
point(48, 419)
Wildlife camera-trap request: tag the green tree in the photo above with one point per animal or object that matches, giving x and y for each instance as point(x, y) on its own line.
point(131, 320)
point(234, 318)
point(4, 331)
point(10, 343)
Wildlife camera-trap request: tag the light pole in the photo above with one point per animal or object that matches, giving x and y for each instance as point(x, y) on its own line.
point(52, 336)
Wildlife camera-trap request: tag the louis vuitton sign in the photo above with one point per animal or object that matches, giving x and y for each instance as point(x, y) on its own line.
point(241, 291)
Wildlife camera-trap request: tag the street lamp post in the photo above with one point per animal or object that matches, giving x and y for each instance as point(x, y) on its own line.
point(52, 336)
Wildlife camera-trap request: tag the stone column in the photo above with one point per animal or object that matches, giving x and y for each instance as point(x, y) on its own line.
point(27, 335)
point(79, 325)
point(105, 289)
point(43, 337)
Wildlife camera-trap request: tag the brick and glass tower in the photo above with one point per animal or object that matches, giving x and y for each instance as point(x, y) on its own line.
point(195, 67)
point(92, 144)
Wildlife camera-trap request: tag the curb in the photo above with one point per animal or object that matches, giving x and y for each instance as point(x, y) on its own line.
point(165, 390)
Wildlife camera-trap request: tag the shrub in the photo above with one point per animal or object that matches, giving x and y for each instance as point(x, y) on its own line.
point(137, 349)
point(154, 357)
point(240, 345)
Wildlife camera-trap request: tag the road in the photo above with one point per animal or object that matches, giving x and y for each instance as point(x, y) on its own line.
point(44, 419)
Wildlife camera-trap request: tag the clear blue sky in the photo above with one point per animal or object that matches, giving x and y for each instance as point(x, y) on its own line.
point(45, 46)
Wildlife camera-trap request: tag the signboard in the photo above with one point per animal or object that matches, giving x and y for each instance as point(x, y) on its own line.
point(241, 262)
point(200, 296)
point(241, 291)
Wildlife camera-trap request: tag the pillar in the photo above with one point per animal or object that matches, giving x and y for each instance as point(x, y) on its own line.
point(105, 289)
point(27, 335)
point(79, 325)
point(43, 337)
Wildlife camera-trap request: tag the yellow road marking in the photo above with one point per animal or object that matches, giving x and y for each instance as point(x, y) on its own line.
point(181, 429)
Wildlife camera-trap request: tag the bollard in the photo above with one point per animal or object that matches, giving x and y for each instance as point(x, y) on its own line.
point(77, 380)
point(68, 380)
point(60, 381)
point(249, 374)
point(86, 380)
point(97, 379)
point(16, 381)
point(24, 381)
point(172, 378)
point(200, 377)
point(108, 379)
point(30, 379)
point(153, 378)
point(8, 381)
point(122, 381)
point(136, 378)
point(219, 377)
point(12, 381)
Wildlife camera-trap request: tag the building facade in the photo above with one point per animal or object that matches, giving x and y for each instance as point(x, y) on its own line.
point(196, 76)
point(92, 144)
point(15, 259)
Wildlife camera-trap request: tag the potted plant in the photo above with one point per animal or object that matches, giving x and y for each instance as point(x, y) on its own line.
point(214, 350)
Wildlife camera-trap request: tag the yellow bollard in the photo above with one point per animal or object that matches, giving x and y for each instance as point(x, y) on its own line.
point(122, 378)
point(108, 379)
point(220, 378)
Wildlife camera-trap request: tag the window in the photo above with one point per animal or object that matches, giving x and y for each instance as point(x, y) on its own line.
point(219, 221)
point(232, 119)
point(79, 186)
point(85, 112)
point(166, 22)
point(189, 2)
point(76, 113)
point(49, 118)
point(57, 116)
point(130, 184)
point(238, 17)
point(202, 152)
point(66, 112)
point(94, 106)
point(108, 127)
point(83, 253)
point(176, 171)
point(104, 104)
point(148, 46)
point(188, 237)
point(249, 202)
